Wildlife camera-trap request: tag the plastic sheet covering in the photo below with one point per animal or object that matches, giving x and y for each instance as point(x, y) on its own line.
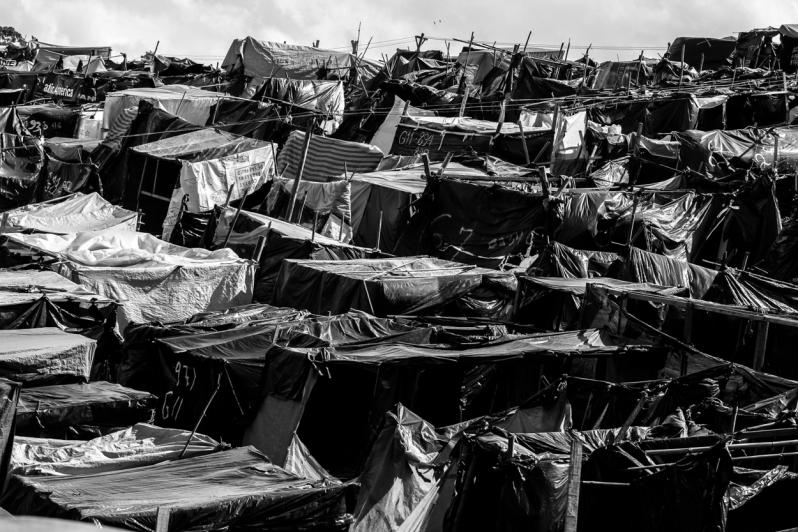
point(741, 491)
point(326, 98)
point(283, 240)
point(558, 260)
point(383, 286)
point(443, 384)
point(646, 267)
point(208, 183)
point(9, 397)
point(231, 488)
point(155, 280)
point(45, 356)
point(400, 470)
point(78, 213)
point(198, 145)
point(49, 411)
point(20, 161)
point(136, 446)
point(189, 103)
point(43, 524)
point(753, 291)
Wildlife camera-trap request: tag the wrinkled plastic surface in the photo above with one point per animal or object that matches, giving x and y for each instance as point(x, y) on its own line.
point(49, 411)
point(79, 213)
point(230, 488)
point(136, 446)
point(45, 356)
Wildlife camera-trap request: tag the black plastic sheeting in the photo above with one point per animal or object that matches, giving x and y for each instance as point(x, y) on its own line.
point(283, 241)
point(185, 365)
point(235, 488)
point(73, 411)
point(446, 385)
point(398, 286)
point(21, 161)
point(473, 223)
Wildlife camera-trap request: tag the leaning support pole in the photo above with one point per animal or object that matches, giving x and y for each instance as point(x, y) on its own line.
point(298, 178)
point(202, 415)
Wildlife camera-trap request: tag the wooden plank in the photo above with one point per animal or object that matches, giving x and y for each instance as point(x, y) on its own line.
point(162, 520)
point(574, 484)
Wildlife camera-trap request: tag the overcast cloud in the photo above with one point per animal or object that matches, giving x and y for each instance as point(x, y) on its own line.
point(203, 29)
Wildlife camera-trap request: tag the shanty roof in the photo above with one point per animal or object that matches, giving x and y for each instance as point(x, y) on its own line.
point(197, 145)
point(79, 212)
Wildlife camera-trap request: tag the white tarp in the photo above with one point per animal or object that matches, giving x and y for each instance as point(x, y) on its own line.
point(47, 355)
point(207, 182)
point(189, 103)
point(79, 213)
point(152, 279)
point(136, 446)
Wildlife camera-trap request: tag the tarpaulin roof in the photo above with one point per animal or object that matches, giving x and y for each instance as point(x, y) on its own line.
point(48, 410)
point(45, 356)
point(123, 265)
point(79, 212)
point(199, 145)
point(266, 59)
point(189, 103)
point(381, 286)
point(576, 286)
point(136, 446)
point(17, 287)
point(9, 397)
point(232, 488)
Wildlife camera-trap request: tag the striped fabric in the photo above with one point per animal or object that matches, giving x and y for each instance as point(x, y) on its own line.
point(121, 125)
point(326, 157)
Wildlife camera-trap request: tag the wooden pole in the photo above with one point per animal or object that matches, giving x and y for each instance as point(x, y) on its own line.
point(379, 231)
point(302, 208)
point(574, 483)
point(786, 99)
point(235, 219)
point(632, 223)
point(567, 49)
point(762, 330)
point(162, 519)
point(260, 245)
point(315, 221)
point(463, 86)
point(701, 64)
point(523, 143)
point(681, 69)
point(298, 178)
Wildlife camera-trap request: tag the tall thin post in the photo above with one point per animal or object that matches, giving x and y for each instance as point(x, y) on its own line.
point(574, 485)
point(463, 86)
point(681, 69)
point(379, 231)
point(523, 143)
point(298, 178)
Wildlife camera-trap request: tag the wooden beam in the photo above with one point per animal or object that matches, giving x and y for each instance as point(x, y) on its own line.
point(574, 484)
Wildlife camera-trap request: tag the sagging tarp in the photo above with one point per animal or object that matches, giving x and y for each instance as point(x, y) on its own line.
point(34, 299)
point(408, 285)
point(21, 161)
point(674, 224)
point(657, 115)
point(475, 223)
point(48, 120)
point(123, 265)
point(189, 103)
point(283, 241)
point(235, 488)
point(140, 445)
point(9, 398)
point(718, 150)
point(74, 214)
point(444, 384)
point(37, 357)
point(381, 200)
point(188, 362)
point(323, 97)
point(711, 53)
point(72, 411)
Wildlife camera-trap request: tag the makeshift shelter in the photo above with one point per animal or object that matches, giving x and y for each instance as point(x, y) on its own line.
point(67, 411)
point(706, 51)
point(34, 299)
point(234, 488)
point(445, 384)
point(9, 398)
point(327, 158)
point(123, 264)
point(73, 214)
point(37, 357)
point(241, 232)
point(21, 161)
point(189, 103)
point(396, 286)
point(204, 165)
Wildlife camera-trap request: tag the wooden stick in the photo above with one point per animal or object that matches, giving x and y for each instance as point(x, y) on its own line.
point(298, 178)
point(379, 231)
point(574, 482)
point(202, 415)
point(523, 143)
point(235, 219)
point(315, 221)
point(261, 245)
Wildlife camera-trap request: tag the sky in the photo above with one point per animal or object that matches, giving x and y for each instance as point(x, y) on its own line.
point(204, 29)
